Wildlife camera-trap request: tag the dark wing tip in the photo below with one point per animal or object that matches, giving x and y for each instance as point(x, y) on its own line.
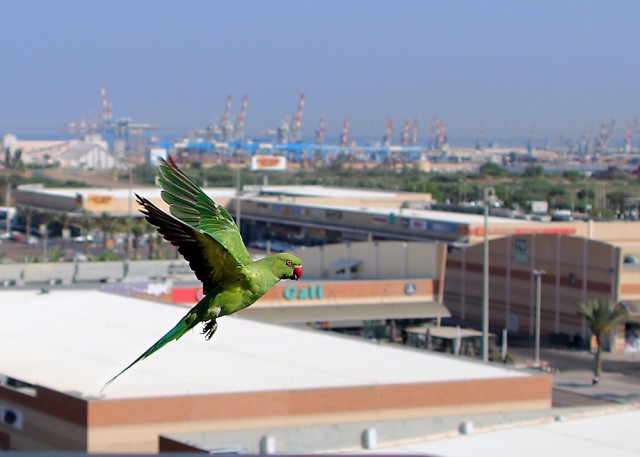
point(168, 162)
point(142, 201)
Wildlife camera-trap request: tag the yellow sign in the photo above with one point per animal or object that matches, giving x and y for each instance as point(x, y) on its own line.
point(95, 199)
point(268, 163)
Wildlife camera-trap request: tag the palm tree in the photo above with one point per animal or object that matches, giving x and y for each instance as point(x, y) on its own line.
point(137, 230)
point(86, 222)
point(601, 315)
point(109, 225)
point(64, 220)
point(46, 217)
point(153, 238)
point(27, 213)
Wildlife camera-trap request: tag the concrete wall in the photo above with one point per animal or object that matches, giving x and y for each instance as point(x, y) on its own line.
point(51, 421)
point(69, 273)
point(134, 425)
point(10, 274)
point(379, 260)
point(100, 271)
point(49, 272)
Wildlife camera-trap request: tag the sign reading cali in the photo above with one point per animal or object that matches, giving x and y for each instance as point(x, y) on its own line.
point(312, 292)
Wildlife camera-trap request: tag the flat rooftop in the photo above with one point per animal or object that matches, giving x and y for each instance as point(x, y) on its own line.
point(269, 193)
point(590, 434)
point(439, 435)
point(74, 341)
point(442, 216)
point(118, 193)
point(334, 192)
point(288, 191)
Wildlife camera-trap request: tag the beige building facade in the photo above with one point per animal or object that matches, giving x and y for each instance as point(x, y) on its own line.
point(573, 270)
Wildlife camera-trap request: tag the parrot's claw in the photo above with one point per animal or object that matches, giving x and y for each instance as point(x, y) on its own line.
point(210, 328)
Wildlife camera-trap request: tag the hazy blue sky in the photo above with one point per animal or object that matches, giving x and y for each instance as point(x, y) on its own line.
point(494, 66)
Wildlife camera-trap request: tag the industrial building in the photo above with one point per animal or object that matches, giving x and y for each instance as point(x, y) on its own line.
point(309, 215)
point(388, 283)
point(582, 260)
point(571, 270)
point(251, 375)
point(91, 153)
point(366, 287)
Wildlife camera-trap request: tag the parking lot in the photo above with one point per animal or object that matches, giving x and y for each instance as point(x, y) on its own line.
point(573, 373)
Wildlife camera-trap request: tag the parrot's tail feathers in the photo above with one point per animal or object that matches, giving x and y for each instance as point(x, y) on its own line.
point(182, 327)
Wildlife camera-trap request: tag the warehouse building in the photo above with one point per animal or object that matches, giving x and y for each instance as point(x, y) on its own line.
point(582, 259)
point(572, 270)
point(250, 375)
point(377, 285)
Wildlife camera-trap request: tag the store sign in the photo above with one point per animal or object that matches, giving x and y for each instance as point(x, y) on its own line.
point(268, 163)
point(311, 292)
point(96, 199)
point(521, 251)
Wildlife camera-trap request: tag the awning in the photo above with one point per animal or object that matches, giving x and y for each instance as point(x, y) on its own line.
point(448, 333)
point(303, 314)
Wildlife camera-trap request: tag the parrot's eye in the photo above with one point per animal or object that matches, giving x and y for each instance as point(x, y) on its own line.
point(289, 262)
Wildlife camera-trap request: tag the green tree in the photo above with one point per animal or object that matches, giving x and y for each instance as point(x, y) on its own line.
point(533, 171)
point(109, 226)
point(491, 169)
point(64, 219)
point(86, 223)
point(46, 218)
point(138, 229)
point(27, 212)
point(601, 315)
point(572, 175)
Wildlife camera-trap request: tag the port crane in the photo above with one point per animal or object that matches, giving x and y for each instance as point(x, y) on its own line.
point(117, 132)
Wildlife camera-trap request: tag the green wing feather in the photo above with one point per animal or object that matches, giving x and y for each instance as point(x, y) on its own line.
point(204, 232)
point(191, 205)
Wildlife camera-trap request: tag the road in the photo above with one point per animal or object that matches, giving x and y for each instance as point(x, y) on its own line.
point(573, 374)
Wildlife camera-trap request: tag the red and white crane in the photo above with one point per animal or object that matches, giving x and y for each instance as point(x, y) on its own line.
point(296, 125)
point(627, 137)
point(344, 136)
point(415, 131)
point(442, 132)
point(404, 139)
point(242, 115)
point(107, 112)
point(225, 120)
point(386, 138)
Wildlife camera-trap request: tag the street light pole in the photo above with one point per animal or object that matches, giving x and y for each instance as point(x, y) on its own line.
point(536, 354)
point(238, 198)
point(130, 213)
point(485, 281)
point(7, 199)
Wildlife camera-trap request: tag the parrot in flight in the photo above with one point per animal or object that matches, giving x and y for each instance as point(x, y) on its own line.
point(208, 238)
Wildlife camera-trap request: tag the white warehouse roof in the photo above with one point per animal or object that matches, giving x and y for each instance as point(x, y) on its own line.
point(71, 340)
point(592, 434)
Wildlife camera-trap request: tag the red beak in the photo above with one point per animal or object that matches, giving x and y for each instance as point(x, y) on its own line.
point(297, 272)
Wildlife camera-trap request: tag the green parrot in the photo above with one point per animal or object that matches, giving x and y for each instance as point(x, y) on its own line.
point(208, 238)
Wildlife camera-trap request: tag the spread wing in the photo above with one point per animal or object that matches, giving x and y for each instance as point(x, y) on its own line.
point(204, 232)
